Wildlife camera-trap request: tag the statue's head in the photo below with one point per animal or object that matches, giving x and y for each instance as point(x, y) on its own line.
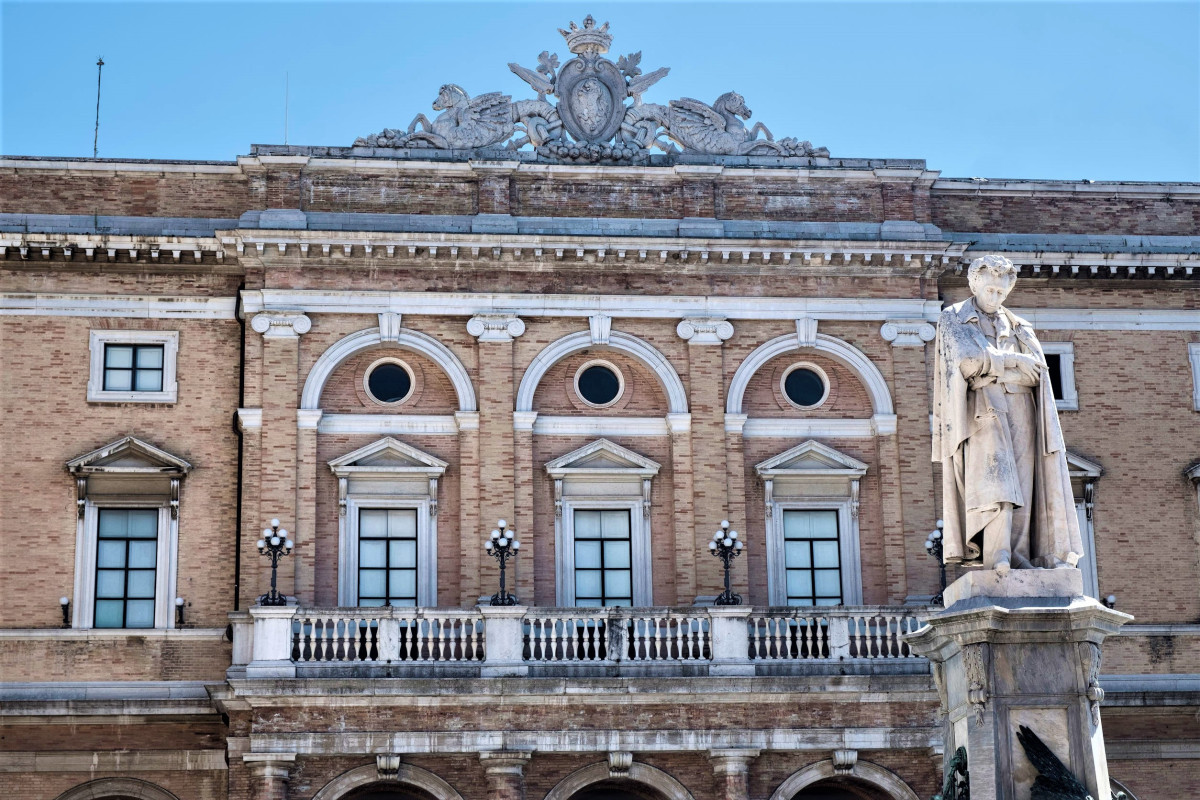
point(449, 96)
point(734, 103)
point(991, 278)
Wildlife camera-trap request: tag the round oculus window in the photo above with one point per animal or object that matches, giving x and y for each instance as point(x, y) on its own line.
point(389, 381)
point(599, 383)
point(805, 386)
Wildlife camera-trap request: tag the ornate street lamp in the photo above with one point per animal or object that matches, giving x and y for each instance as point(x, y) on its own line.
point(65, 604)
point(725, 546)
point(276, 544)
point(933, 546)
point(503, 545)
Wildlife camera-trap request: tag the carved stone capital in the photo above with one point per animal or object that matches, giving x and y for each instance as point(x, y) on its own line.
point(281, 324)
point(387, 766)
point(619, 764)
point(495, 327)
point(704, 330)
point(731, 762)
point(844, 761)
point(907, 332)
point(509, 763)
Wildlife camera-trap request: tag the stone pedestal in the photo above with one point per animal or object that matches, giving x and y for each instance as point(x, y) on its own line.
point(1022, 649)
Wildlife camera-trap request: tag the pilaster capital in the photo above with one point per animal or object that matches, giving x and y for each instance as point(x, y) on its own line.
point(679, 423)
point(307, 418)
point(269, 766)
point(704, 330)
point(731, 761)
point(907, 332)
point(734, 423)
point(467, 420)
point(281, 324)
point(495, 327)
point(523, 420)
point(249, 419)
point(505, 762)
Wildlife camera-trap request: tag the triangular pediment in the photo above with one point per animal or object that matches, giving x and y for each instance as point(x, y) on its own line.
point(129, 455)
point(811, 458)
point(602, 457)
point(1080, 467)
point(388, 455)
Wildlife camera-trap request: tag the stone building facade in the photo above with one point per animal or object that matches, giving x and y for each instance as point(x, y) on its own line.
point(388, 350)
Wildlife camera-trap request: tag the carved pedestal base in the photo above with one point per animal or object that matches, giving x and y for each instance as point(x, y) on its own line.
point(1029, 659)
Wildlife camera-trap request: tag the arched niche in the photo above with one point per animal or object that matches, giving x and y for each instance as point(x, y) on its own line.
point(124, 788)
point(422, 780)
point(404, 338)
point(624, 342)
point(644, 775)
point(863, 772)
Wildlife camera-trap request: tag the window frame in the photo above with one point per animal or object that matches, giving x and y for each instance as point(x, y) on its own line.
point(426, 545)
point(1194, 360)
point(1066, 373)
point(98, 340)
point(848, 552)
point(641, 574)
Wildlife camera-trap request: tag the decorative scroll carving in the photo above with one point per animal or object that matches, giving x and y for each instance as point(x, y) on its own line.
point(343, 490)
point(174, 498)
point(1089, 656)
point(281, 324)
point(387, 766)
point(975, 657)
point(598, 116)
point(704, 330)
point(619, 764)
point(433, 497)
point(844, 761)
point(558, 498)
point(854, 499)
point(81, 488)
point(495, 327)
point(907, 333)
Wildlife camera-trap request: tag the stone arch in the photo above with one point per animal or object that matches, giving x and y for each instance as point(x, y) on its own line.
point(117, 787)
point(626, 343)
point(419, 342)
point(864, 771)
point(651, 777)
point(368, 774)
point(842, 352)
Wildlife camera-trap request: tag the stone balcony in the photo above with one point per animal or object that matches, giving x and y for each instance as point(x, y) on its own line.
point(485, 641)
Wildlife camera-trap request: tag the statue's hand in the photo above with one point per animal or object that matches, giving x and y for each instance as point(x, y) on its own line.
point(1028, 366)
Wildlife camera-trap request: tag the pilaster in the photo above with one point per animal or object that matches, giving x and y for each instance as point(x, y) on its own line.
point(684, 517)
point(271, 773)
point(505, 774)
point(731, 769)
point(470, 527)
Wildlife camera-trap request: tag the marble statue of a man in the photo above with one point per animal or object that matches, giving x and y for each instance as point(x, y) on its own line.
point(1006, 492)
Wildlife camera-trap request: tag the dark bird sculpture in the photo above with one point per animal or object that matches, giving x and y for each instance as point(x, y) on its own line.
point(1054, 781)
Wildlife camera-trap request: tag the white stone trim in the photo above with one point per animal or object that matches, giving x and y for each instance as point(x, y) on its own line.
point(1066, 353)
point(249, 419)
point(110, 761)
point(704, 330)
point(600, 362)
point(1110, 319)
point(116, 787)
point(813, 368)
point(1194, 359)
point(416, 341)
point(386, 424)
point(840, 351)
point(368, 774)
point(582, 340)
point(864, 771)
point(281, 324)
point(102, 634)
point(412, 380)
point(306, 418)
point(596, 426)
point(907, 332)
point(45, 304)
point(98, 339)
point(784, 428)
point(582, 306)
point(495, 327)
point(663, 784)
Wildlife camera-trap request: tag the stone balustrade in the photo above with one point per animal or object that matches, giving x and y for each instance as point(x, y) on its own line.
point(281, 642)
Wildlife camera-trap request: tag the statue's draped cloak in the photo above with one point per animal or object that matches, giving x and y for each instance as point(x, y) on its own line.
point(973, 445)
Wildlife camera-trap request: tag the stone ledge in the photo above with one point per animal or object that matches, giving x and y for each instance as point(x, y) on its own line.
point(1042, 584)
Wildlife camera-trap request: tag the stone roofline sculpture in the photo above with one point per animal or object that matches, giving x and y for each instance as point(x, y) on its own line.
point(598, 116)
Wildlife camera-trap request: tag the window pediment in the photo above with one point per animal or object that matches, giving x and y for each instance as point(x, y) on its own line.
point(811, 459)
point(387, 457)
point(600, 459)
point(1080, 467)
point(130, 456)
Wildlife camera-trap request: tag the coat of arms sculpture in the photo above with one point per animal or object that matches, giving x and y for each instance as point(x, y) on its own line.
point(598, 116)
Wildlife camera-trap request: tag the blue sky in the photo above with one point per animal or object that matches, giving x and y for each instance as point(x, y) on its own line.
point(1100, 90)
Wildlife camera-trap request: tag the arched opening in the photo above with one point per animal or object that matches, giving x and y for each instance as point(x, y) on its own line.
point(617, 789)
point(388, 791)
point(842, 789)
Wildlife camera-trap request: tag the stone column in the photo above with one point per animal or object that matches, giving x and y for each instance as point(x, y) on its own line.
point(706, 402)
point(497, 394)
point(270, 773)
point(281, 332)
point(505, 774)
point(1023, 650)
point(732, 771)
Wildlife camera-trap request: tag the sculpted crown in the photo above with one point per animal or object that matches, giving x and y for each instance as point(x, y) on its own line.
point(589, 38)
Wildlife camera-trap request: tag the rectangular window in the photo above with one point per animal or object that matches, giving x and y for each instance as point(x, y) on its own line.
point(1054, 362)
point(133, 368)
point(603, 564)
point(126, 565)
point(1060, 361)
point(387, 557)
point(812, 564)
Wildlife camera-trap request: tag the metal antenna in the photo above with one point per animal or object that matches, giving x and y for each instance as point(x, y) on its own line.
point(286, 87)
point(96, 136)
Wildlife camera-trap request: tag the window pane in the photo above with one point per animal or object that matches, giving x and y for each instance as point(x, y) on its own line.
point(111, 554)
point(372, 553)
point(824, 524)
point(796, 554)
point(108, 613)
point(402, 553)
point(118, 356)
point(829, 602)
point(141, 583)
point(587, 524)
point(371, 583)
point(618, 601)
point(617, 583)
point(118, 380)
point(796, 525)
point(371, 601)
point(372, 522)
point(113, 522)
point(587, 555)
point(587, 583)
point(825, 554)
point(110, 583)
point(143, 554)
point(615, 524)
point(150, 357)
point(799, 584)
point(143, 523)
point(829, 583)
point(148, 380)
point(139, 614)
point(590, 602)
point(402, 522)
point(404, 583)
point(616, 554)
